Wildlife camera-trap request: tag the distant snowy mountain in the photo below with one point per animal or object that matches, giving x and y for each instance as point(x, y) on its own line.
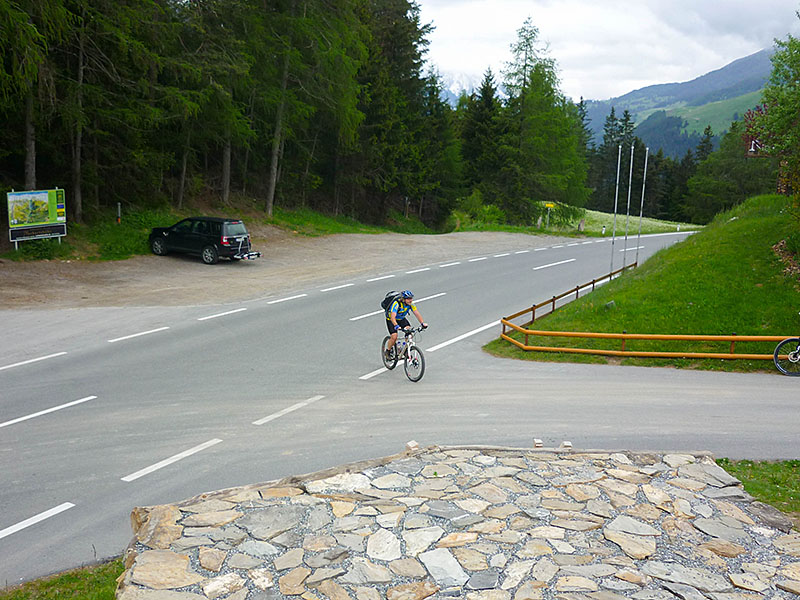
point(455, 83)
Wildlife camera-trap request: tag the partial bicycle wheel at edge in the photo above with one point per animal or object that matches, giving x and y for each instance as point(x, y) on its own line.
point(414, 364)
point(787, 357)
point(391, 362)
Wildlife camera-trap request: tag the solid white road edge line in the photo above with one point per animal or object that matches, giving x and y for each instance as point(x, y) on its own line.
point(35, 519)
point(338, 287)
point(375, 372)
point(127, 337)
point(287, 299)
point(463, 336)
point(380, 312)
point(286, 411)
point(32, 360)
point(230, 312)
point(380, 278)
point(561, 262)
point(170, 460)
point(47, 411)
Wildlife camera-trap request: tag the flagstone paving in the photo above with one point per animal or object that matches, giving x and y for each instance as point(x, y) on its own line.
point(474, 523)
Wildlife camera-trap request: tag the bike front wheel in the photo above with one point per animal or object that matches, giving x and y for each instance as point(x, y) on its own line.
point(414, 364)
point(787, 356)
point(390, 361)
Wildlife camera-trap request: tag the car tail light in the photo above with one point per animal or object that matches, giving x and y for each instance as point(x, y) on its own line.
point(225, 241)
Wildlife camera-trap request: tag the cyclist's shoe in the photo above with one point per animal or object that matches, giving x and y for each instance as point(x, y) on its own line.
point(389, 354)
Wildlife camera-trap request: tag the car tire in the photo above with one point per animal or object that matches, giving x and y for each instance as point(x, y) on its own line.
point(158, 246)
point(210, 255)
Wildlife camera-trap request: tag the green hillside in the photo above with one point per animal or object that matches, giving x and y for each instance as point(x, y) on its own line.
point(717, 114)
point(722, 280)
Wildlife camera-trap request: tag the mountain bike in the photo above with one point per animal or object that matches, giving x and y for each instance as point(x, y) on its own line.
point(787, 356)
point(407, 349)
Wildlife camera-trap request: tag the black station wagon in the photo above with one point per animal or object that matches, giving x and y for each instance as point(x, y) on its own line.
point(206, 237)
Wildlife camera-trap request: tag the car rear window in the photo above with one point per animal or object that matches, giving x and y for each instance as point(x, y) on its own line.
point(235, 228)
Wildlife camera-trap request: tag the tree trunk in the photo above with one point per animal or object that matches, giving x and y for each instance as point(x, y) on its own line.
point(77, 199)
point(276, 139)
point(307, 169)
point(30, 143)
point(184, 160)
point(226, 170)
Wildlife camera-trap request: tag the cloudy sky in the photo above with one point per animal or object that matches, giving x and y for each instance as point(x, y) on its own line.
point(607, 48)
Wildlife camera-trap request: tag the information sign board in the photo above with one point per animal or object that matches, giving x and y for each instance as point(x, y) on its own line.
point(36, 214)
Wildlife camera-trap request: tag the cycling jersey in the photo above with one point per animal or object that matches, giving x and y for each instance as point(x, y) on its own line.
point(401, 308)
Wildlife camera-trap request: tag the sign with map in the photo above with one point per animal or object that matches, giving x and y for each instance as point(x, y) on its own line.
point(36, 214)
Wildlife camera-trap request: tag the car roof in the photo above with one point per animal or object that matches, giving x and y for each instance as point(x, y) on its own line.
point(216, 219)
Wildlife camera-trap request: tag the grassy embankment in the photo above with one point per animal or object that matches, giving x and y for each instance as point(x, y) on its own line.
point(723, 280)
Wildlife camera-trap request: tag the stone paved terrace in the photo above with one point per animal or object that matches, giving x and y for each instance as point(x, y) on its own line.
point(475, 523)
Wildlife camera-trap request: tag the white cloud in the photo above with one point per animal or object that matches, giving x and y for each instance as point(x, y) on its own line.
point(608, 49)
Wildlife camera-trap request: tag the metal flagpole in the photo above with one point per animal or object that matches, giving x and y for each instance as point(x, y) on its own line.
point(616, 197)
point(628, 212)
point(641, 206)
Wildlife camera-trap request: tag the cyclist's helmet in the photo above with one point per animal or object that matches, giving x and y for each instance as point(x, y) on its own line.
point(406, 294)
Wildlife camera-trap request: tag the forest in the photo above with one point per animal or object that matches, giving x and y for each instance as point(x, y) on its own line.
point(324, 104)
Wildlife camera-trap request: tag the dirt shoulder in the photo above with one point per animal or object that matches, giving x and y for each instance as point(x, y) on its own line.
point(289, 262)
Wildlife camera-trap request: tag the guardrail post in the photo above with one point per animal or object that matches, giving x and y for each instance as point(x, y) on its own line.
point(577, 289)
point(554, 304)
point(733, 343)
point(533, 313)
point(593, 280)
point(623, 340)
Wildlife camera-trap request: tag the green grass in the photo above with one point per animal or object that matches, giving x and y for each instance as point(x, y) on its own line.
point(90, 583)
point(775, 483)
point(307, 222)
point(717, 114)
point(723, 280)
point(595, 221)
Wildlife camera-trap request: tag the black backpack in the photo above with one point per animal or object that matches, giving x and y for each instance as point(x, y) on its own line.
point(390, 297)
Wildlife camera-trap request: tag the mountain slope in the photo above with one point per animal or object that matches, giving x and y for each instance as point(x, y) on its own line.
point(715, 99)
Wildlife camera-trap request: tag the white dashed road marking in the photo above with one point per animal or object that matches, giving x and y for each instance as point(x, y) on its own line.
point(230, 312)
point(286, 411)
point(35, 519)
point(287, 299)
point(32, 360)
point(135, 335)
point(170, 460)
point(47, 411)
point(561, 262)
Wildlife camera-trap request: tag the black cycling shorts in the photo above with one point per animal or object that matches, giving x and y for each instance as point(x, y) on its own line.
point(402, 322)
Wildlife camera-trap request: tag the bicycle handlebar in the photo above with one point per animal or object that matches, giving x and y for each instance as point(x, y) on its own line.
point(411, 330)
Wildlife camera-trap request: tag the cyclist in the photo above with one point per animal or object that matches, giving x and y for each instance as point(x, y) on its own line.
point(396, 317)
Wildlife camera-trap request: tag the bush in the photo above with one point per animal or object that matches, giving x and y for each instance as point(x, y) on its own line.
point(48, 249)
point(793, 243)
point(122, 240)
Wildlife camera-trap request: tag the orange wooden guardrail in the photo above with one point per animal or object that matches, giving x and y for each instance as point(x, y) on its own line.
point(624, 336)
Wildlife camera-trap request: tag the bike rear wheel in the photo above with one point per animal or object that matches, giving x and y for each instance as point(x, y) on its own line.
point(787, 357)
point(414, 364)
point(389, 362)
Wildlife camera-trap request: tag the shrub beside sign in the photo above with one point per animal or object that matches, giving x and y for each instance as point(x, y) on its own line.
point(36, 214)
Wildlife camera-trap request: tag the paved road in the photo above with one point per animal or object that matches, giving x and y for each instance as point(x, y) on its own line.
point(102, 410)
